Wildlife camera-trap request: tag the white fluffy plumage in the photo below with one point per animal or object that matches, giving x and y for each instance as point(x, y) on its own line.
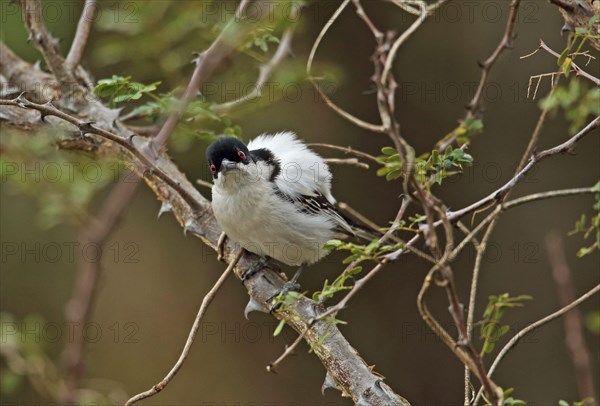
point(275, 198)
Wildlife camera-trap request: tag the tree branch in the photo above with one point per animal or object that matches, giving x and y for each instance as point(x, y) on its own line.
point(81, 34)
point(44, 42)
point(40, 85)
point(566, 147)
point(345, 367)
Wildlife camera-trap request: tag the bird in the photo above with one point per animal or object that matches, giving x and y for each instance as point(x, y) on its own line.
point(273, 197)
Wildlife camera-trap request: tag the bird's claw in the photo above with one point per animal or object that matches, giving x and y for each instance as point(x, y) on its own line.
point(254, 268)
point(278, 298)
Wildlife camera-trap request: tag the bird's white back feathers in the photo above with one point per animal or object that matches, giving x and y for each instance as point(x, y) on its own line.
point(303, 172)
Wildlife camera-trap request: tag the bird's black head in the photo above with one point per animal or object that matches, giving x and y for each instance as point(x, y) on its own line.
point(229, 149)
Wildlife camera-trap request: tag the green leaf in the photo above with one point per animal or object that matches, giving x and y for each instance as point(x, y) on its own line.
point(121, 89)
point(279, 328)
point(388, 151)
point(563, 56)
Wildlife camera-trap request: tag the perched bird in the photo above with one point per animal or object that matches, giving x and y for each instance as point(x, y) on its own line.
point(273, 197)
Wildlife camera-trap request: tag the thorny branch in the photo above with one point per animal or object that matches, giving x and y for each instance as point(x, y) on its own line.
point(345, 367)
point(44, 42)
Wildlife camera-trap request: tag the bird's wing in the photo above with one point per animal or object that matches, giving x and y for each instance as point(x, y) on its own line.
point(318, 205)
point(303, 178)
point(302, 172)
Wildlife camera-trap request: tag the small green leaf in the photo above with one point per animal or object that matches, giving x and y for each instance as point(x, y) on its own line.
point(563, 56)
point(388, 151)
point(279, 328)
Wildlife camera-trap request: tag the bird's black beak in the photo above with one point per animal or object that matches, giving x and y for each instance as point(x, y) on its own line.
point(227, 165)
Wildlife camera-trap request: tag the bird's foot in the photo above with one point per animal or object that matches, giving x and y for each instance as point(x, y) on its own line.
point(280, 297)
point(254, 268)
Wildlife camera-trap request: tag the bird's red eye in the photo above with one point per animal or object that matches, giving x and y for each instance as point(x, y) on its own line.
point(213, 168)
point(241, 154)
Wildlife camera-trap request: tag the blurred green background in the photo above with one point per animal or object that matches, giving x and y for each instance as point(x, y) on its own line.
point(153, 278)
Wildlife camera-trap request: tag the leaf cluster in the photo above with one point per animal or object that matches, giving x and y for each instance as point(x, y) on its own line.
point(430, 168)
point(491, 330)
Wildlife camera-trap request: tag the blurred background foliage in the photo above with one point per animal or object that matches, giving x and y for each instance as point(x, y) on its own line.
point(153, 278)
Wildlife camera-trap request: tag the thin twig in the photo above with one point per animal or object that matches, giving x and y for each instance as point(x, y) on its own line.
point(86, 127)
point(475, 104)
point(192, 335)
point(504, 206)
point(347, 161)
point(321, 35)
point(546, 195)
point(266, 71)
point(345, 207)
point(354, 120)
point(513, 341)
point(458, 350)
point(573, 326)
point(565, 147)
point(481, 247)
point(406, 6)
point(405, 35)
point(81, 35)
point(347, 150)
point(488, 232)
point(289, 350)
point(578, 71)
point(359, 284)
point(466, 352)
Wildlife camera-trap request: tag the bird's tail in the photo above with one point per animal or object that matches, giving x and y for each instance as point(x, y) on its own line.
point(360, 226)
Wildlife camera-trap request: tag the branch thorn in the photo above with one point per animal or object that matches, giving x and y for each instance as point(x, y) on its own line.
point(253, 306)
point(191, 226)
point(165, 207)
point(329, 383)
